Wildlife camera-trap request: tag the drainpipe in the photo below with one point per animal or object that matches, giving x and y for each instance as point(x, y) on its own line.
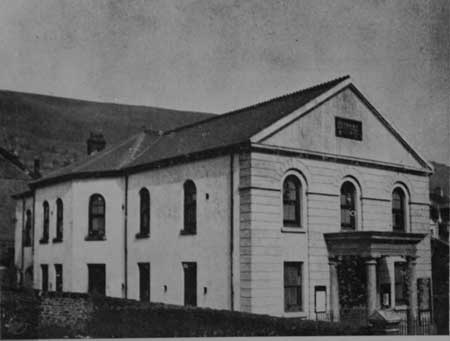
point(23, 246)
point(125, 238)
point(231, 228)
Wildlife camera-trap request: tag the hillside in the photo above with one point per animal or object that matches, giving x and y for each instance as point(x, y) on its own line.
point(55, 129)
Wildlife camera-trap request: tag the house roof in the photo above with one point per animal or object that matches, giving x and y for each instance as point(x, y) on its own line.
point(230, 129)
point(11, 167)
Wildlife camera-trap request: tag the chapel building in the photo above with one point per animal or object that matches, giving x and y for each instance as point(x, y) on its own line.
point(259, 210)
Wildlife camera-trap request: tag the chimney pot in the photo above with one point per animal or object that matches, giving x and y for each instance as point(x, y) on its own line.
point(37, 166)
point(95, 143)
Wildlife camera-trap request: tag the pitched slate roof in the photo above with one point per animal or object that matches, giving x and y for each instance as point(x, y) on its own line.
point(11, 167)
point(220, 131)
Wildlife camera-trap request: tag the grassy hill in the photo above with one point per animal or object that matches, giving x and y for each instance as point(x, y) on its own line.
point(55, 129)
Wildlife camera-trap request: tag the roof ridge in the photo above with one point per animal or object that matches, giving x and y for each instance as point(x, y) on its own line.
point(233, 112)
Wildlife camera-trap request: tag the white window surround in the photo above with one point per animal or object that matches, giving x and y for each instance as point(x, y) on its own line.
point(407, 211)
point(303, 203)
point(358, 206)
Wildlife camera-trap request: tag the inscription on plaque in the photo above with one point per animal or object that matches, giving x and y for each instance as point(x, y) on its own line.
point(350, 129)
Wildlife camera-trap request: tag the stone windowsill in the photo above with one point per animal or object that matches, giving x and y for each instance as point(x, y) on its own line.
point(187, 233)
point(43, 241)
point(94, 238)
point(57, 240)
point(140, 235)
point(291, 229)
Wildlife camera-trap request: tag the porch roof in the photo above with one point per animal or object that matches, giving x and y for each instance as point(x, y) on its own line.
point(372, 244)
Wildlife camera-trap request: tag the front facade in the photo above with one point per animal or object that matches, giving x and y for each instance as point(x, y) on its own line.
point(263, 224)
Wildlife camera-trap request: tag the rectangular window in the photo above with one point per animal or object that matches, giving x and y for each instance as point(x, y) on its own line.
point(58, 277)
point(293, 286)
point(350, 129)
point(190, 283)
point(44, 274)
point(144, 281)
point(96, 279)
point(401, 297)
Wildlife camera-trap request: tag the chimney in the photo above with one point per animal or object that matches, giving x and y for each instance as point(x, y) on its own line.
point(37, 167)
point(95, 143)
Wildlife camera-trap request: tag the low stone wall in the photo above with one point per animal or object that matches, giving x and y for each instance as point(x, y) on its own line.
point(68, 312)
point(28, 315)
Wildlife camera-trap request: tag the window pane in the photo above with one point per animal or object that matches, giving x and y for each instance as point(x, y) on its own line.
point(293, 286)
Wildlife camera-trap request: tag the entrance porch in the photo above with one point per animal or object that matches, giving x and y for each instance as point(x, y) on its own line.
point(374, 249)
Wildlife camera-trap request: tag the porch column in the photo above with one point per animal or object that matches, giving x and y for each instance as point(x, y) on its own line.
point(412, 288)
point(371, 270)
point(334, 289)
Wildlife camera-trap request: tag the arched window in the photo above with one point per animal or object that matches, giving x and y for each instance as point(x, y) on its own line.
point(144, 212)
point(190, 207)
point(27, 235)
point(348, 206)
point(45, 222)
point(291, 201)
point(398, 210)
point(96, 216)
point(59, 220)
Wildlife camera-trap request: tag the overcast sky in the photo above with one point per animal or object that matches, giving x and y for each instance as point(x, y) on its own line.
point(215, 56)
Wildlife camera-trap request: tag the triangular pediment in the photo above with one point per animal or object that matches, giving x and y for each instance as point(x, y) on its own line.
point(345, 125)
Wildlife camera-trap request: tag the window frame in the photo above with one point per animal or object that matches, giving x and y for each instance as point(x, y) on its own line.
point(356, 206)
point(99, 234)
point(296, 203)
point(45, 222)
point(44, 278)
point(27, 242)
point(58, 277)
point(300, 287)
point(144, 209)
point(59, 220)
point(189, 208)
point(403, 211)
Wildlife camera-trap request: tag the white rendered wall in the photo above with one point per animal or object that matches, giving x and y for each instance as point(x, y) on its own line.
point(166, 249)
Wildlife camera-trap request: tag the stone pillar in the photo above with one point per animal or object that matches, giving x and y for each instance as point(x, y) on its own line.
point(371, 270)
point(412, 288)
point(334, 289)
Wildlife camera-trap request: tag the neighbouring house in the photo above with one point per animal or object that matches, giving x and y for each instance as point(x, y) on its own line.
point(440, 221)
point(307, 204)
point(14, 177)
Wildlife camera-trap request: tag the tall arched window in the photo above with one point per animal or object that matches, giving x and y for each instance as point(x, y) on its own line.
point(292, 201)
point(144, 212)
point(190, 207)
point(348, 206)
point(27, 236)
point(45, 222)
point(96, 216)
point(398, 210)
point(59, 220)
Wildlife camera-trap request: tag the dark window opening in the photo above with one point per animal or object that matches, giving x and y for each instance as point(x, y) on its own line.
point(291, 201)
point(190, 208)
point(398, 210)
point(58, 277)
point(349, 129)
point(96, 217)
point(96, 279)
point(27, 236)
point(293, 286)
point(401, 285)
point(144, 210)
point(190, 283)
point(144, 281)
point(348, 206)
point(44, 273)
point(45, 222)
point(59, 220)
